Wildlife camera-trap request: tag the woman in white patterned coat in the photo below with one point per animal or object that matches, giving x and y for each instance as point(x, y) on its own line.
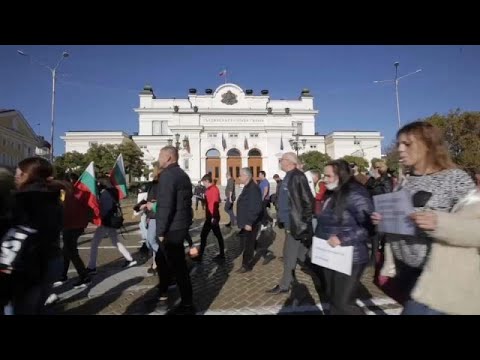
point(436, 184)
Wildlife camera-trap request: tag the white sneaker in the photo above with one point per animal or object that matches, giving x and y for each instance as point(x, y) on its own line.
point(129, 264)
point(263, 227)
point(59, 283)
point(51, 299)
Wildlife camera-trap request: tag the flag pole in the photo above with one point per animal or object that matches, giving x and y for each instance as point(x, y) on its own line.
point(226, 75)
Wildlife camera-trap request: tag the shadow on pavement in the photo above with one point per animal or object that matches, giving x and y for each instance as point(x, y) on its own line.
point(68, 295)
point(208, 277)
point(98, 303)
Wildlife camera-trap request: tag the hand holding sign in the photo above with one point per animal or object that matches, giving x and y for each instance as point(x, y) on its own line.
point(425, 220)
point(393, 212)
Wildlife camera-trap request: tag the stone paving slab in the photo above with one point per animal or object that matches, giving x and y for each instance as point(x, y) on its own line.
point(218, 289)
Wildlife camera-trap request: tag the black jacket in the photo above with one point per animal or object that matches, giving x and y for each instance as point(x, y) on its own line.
point(249, 205)
point(379, 186)
point(301, 203)
point(174, 201)
point(355, 227)
point(39, 208)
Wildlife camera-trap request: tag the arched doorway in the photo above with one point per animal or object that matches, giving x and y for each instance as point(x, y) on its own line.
point(234, 164)
point(255, 162)
point(213, 165)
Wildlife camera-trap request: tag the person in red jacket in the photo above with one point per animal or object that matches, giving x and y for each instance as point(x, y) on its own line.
point(76, 214)
point(212, 217)
point(320, 197)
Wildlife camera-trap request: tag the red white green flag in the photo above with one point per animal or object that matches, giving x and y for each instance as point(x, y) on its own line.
point(119, 178)
point(87, 183)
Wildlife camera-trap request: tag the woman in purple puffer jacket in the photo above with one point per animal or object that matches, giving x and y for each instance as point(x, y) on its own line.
point(345, 221)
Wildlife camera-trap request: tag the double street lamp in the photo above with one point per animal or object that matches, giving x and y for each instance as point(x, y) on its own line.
point(53, 70)
point(184, 143)
point(395, 81)
point(297, 143)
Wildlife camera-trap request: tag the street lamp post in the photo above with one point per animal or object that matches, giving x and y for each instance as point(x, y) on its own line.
point(295, 144)
point(185, 142)
point(396, 81)
point(54, 77)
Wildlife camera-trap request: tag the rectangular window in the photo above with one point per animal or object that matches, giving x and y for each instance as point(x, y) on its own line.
point(313, 146)
point(156, 128)
point(258, 171)
point(300, 128)
point(217, 173)
point(212, 135)
point(237, 170)
point(254, 135)
point(233, 135)
point(164, 127)
point(230, 171)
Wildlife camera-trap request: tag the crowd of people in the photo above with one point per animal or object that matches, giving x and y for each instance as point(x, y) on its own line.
point(434, 271)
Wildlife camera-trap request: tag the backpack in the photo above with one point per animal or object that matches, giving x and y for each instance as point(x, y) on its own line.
point(114, 218)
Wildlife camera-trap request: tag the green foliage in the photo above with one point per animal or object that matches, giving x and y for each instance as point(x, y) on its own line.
point(69, 162)
point(314, 160)
point(104, 157)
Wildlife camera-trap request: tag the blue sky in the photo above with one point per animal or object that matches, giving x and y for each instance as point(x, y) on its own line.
point(100, 84)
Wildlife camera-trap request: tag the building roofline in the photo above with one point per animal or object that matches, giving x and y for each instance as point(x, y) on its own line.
point(86, 131)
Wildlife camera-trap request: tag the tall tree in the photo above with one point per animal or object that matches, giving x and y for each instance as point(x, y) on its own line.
point(69, 162)
point(133, 158)
point(103, 156)
point(462, 133)
point(314, 160)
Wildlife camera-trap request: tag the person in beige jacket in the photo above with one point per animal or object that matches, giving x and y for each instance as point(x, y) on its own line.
point(450, 281)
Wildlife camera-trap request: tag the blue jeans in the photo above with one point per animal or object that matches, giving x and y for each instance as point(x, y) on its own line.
point(415, 308)
point(143, 226)
point(152, 235)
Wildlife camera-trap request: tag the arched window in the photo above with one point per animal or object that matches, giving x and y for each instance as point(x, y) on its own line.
point(233, 152)
point(213, 153)
point(254, 152)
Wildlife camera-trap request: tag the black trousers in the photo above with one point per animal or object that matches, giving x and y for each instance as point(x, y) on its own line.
point(198, 200)
point(70, 252)
point(249, 240)
point(170, 259)
point(341, 290)
point(207, 226)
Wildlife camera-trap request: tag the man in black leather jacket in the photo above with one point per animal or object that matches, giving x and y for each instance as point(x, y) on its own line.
point(381, 185)
point(174, 216)
point(295, 211)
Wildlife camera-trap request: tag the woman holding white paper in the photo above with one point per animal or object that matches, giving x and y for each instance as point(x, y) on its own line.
point(450, 281)
point(435, 184)
point(345, 221)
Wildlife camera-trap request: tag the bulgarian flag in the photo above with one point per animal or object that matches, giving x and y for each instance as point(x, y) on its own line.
point(119, 178)
point(87, 183)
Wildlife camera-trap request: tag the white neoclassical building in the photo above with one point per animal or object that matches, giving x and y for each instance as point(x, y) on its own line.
point(229, 128)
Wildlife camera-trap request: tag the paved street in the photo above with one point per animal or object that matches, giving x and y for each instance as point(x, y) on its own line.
point(218, 289)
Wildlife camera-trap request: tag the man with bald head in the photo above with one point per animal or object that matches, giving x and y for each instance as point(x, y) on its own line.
point(174, 216)
point(295, 212)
